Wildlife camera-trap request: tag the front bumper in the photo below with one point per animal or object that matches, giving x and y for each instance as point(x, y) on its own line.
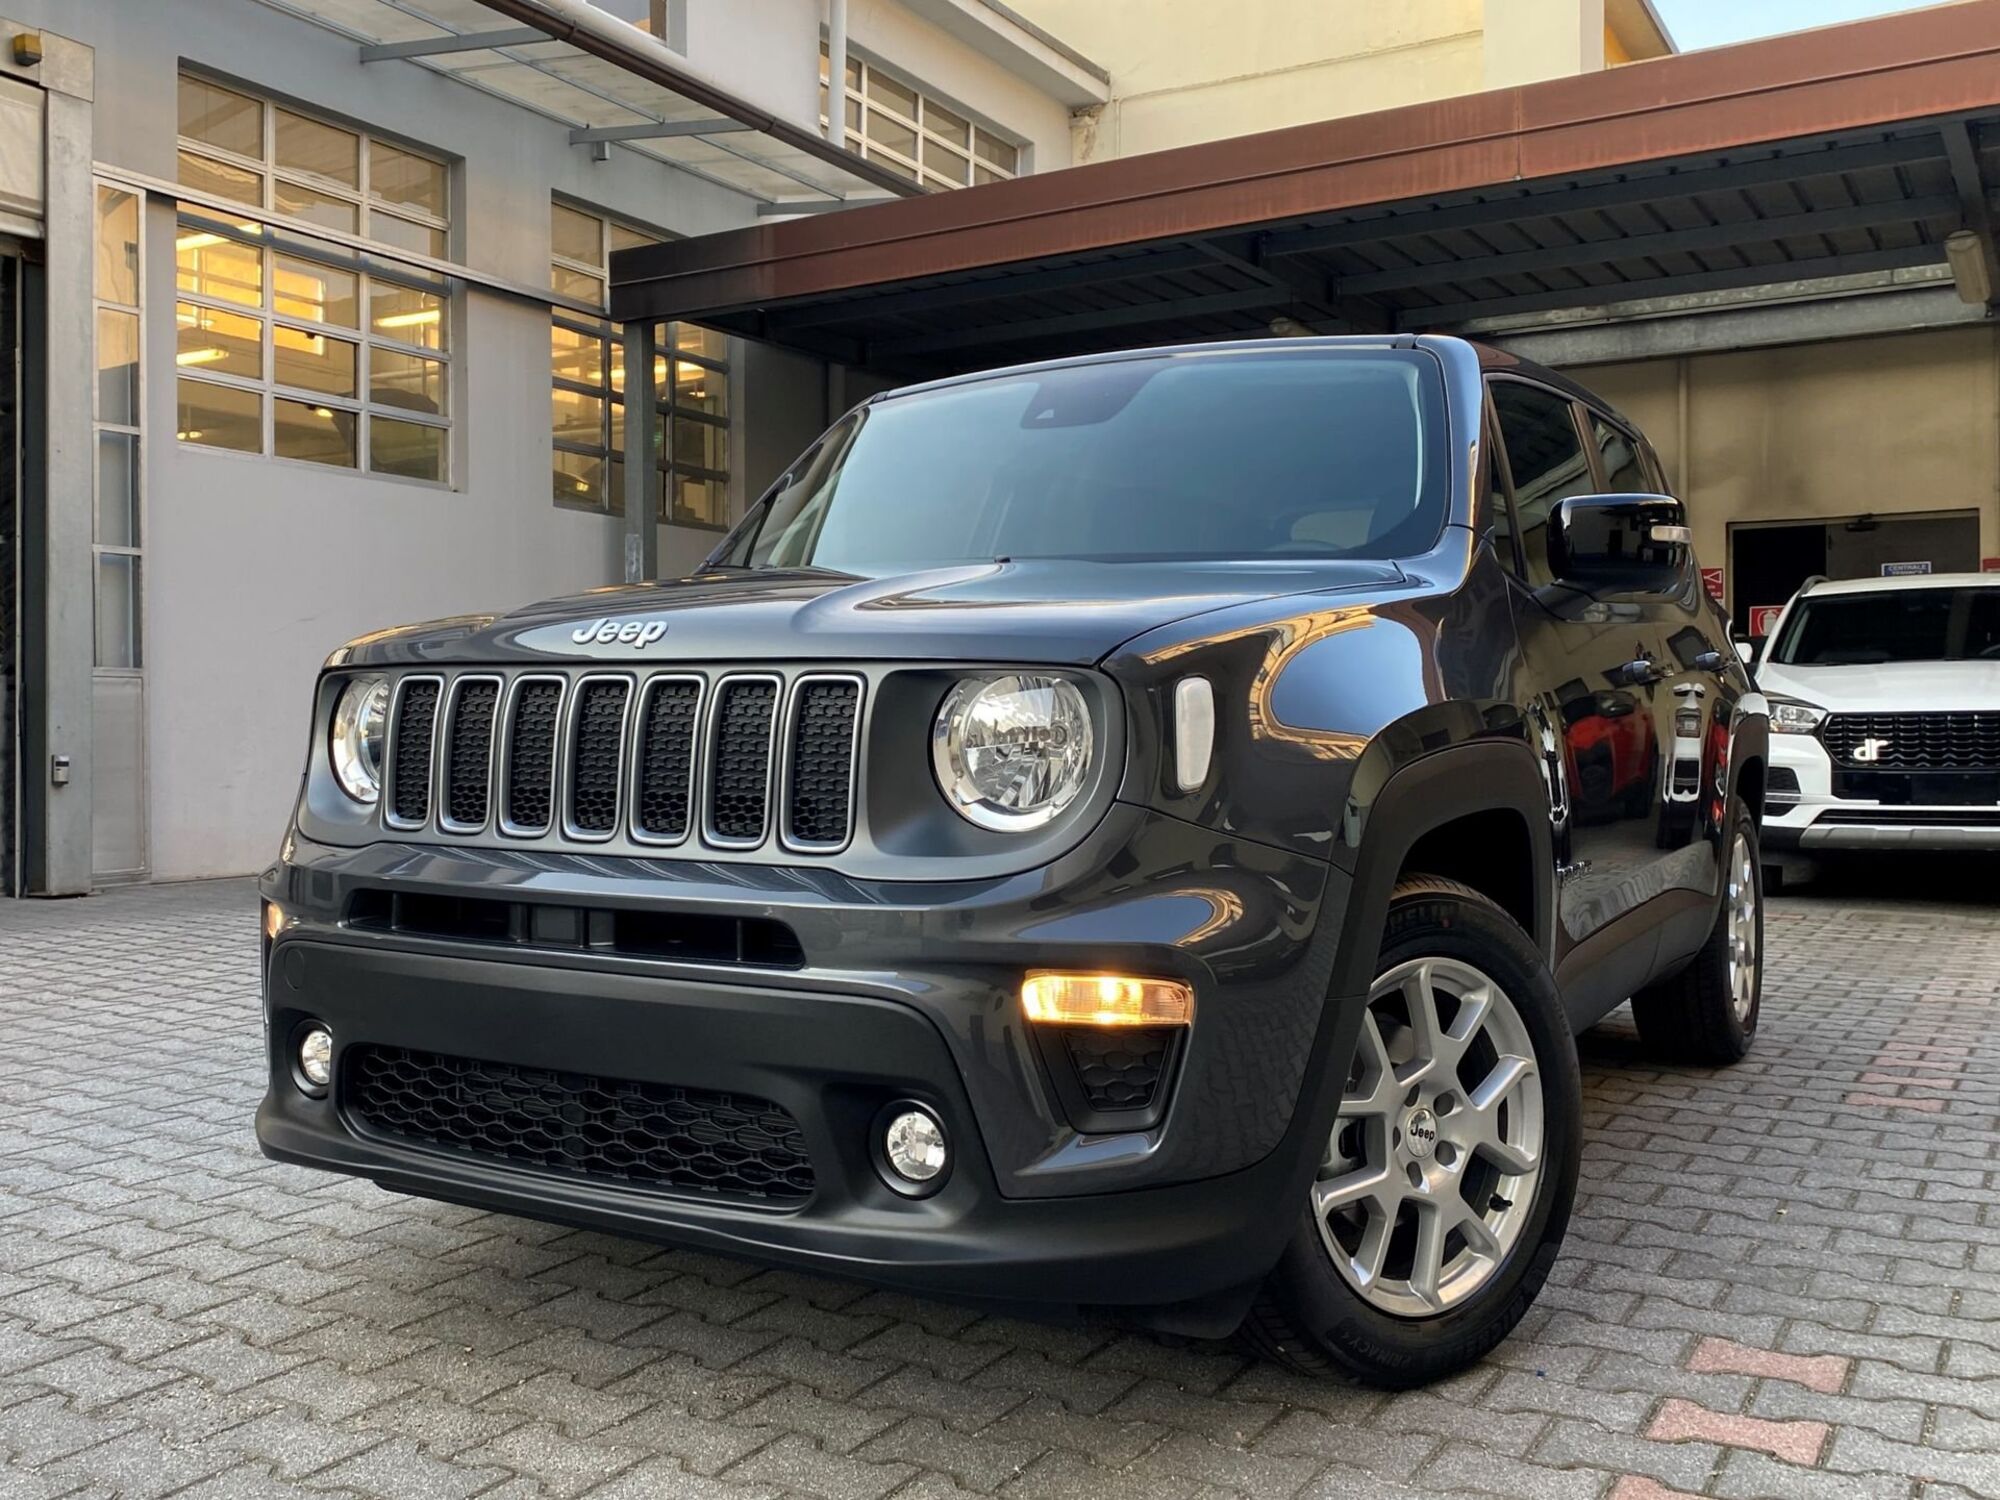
point(1814, 819)
point(905, 993)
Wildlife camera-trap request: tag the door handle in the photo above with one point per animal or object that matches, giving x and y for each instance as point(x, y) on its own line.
point(1710, 661)
point(1638, 672)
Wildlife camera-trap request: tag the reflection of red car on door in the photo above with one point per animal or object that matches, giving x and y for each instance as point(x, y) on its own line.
point(1608, 742)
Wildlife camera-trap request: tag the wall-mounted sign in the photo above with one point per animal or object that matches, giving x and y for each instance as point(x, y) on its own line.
point(1989, 564)
point(1711, 579)
point(1764, 619)
point(1904, 569)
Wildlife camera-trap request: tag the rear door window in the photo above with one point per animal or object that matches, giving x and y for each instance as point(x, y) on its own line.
point(1546, 461)
point(1620, 458)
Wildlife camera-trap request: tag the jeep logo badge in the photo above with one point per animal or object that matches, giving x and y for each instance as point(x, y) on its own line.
point(1870, 750)
point(1420, 1133)
point(635, 633)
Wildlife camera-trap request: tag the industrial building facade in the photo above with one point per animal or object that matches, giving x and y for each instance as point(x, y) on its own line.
point(304, 298)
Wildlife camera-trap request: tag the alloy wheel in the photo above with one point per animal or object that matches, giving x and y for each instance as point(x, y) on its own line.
point(1430, 1174)
point(1742, 916)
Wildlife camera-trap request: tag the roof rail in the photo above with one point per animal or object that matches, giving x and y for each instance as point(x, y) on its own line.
point(1813, 582)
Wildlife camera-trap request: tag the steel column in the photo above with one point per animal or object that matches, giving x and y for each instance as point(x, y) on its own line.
point(642, 462)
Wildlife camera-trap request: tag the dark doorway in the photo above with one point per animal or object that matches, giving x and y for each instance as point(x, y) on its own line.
point(10, 574)
point(1768, 561)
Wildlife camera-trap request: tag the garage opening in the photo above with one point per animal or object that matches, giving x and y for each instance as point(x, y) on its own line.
point(10, 572)
point(1768, 560)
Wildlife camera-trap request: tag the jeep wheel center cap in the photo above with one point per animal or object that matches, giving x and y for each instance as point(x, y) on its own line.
point(1420, 1133)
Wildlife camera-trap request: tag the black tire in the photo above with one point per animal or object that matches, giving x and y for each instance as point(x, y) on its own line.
point(1692, 1016)
point(1306, 1315)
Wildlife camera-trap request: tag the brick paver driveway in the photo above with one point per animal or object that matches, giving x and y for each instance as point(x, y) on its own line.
point(1780, 1280)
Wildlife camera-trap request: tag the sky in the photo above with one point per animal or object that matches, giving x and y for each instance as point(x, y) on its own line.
point(1715, 23)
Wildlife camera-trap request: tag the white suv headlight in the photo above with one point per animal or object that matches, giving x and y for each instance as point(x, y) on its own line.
point(1011, 751)
point(360, 728)
point(1791, 716)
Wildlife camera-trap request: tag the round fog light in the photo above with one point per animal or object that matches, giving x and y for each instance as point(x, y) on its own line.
point(914, 1146)
point(316, 1056)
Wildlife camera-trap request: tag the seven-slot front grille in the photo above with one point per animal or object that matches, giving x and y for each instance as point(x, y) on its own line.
point(1968, 741)
point(737, 760)
point(650, 1135)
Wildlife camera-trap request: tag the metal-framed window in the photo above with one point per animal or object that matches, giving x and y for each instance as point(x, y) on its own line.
point(891, 121)
point(116, 536)
point(691, 431)
point(299, 349)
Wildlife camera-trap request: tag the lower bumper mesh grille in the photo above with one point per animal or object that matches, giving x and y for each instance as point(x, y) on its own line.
point(646, 1134)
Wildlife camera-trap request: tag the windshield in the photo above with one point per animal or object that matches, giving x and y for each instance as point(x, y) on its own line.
point(1934, 624)
point(1286, 454)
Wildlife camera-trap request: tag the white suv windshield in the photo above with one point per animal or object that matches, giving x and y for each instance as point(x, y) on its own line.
point(1933, 624)
point(1287, 454)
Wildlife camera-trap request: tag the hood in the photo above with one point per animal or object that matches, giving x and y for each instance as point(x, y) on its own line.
point(1054, 612)
point(1888, 687)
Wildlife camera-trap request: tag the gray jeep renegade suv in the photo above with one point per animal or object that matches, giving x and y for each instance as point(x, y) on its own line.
point(1133, 833)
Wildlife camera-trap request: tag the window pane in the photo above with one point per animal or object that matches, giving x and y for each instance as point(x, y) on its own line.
point(117, 266)
point(579, 285)
point(1002, 155)
point(311, 146)
point(406, 314)
point(406, 234)
point(117, 489)
point(703, 343)
point(219, 416)
point(882, 89)
point(399, 176)
point(313, 361)
point(408, 381)
point(317, 434)
point(1545, 459)
point(575, 235)
point(884, 131)
point(890, 164)
point(221, 117)
point(985, 174)
point(224, 181)
point(699, 502)
point(577, 418)
point(314, 206)
point(630, 239)
point(576, 356)
point(940, 121)
point(946, 162)
point(579, 479)
point(210, 266)
point(118, 367)
point(700, 445)
point(698, 388)
point(217, 342)
point(1624, 472)
point(117, 610)
point(313, 293)
point(406, 448)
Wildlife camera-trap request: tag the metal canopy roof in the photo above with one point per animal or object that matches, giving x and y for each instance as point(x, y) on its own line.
point(1831, 154)
point(610, 82)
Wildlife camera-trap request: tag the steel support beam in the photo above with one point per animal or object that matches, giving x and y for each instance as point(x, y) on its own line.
point(642, 462)
point(1084, 322)
point(652, 130)
point(1447, 314)
point(468, 41)
point(782, 209)
point(1633, 247)
point(1962, 152)
point(1657, 187)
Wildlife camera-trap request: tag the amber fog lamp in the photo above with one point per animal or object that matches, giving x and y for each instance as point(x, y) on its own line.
point(1106, 1000)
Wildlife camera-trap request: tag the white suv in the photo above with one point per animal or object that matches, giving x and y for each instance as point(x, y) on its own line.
point(1885, 716)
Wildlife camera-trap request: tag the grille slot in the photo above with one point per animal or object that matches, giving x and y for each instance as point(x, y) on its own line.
point(1120, 1067)
point(416, 732)
point(531, 754)
point(669, 727)
point(468, 768)
point(596, 759)
point(739, 793)
point(651, 1135)
point(819, 762)
point(1967, 741)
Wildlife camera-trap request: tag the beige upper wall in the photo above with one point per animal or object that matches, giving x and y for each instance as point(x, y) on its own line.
point(1185, 71)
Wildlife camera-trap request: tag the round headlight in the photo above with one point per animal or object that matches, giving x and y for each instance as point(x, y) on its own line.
point(360, 725)
point(1011, 752)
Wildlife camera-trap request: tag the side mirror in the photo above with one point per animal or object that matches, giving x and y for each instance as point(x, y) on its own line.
point(1749, 651)
point(1621, 544)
